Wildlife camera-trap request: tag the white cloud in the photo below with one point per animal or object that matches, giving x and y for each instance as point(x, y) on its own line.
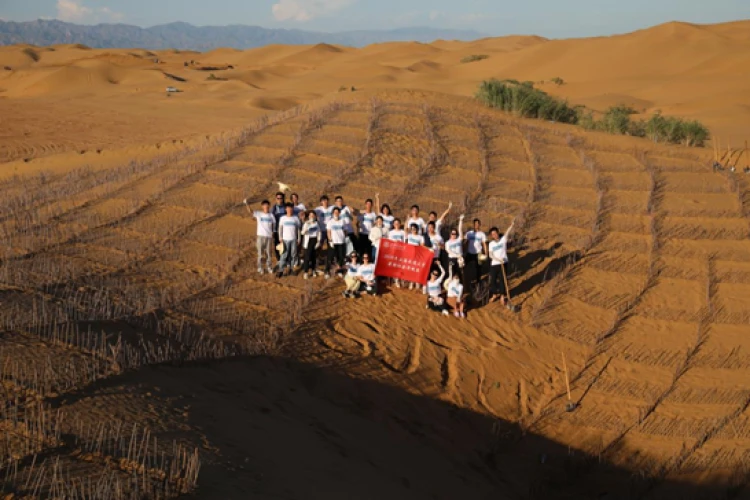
point(306, 10)
point(75, 11)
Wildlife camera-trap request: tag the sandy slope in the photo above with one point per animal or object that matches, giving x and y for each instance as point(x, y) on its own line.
point(632, 259)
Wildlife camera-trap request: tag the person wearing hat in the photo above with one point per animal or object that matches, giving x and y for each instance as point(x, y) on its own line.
point(352, 278)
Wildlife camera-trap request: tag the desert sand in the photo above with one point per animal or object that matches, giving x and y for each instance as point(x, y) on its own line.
point(141, 350)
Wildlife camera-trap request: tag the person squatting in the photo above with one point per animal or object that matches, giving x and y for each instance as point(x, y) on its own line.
point(347, 240)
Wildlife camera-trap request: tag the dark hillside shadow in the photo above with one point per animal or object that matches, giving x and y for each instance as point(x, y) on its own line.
point(278, 428)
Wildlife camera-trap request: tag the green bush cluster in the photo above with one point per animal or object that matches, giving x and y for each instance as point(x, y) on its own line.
point(474, 57)
point(524, 100)
point(659, 128)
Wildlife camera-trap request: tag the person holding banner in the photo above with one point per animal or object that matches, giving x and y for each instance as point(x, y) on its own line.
point(397, 234)
point(377, 233)
point(352, 277)
point(499, 253)
point(401, 261)
point(336, 242)
point(415, 238)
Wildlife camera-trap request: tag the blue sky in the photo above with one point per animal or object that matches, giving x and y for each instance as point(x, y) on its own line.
point(551, 18)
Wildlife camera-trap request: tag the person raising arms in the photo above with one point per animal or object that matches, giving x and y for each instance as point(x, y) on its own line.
point(435, 299)
point(385, 212)
point(499, 253)
point(455, 295)
point(433, 217)
point(265, 231)
point(376, 234)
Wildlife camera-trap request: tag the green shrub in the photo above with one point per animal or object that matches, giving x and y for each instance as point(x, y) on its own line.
point(557, 81)
point(525, 101)
point(33, 54)
point(616, 120)
point(474, 57)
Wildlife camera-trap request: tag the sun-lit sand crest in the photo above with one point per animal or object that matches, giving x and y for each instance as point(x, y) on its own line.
point(127, 250)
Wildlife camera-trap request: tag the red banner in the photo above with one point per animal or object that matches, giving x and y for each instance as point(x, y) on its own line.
point(401, 261)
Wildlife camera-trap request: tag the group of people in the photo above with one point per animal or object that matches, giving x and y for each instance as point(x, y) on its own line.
point(295, 236)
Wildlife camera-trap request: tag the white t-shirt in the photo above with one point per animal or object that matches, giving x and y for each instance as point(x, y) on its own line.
point(336, 227)
point(289, 228)
point(366, 222)
point(397, 235)
point(476, 240)
point(346, 216)
point(419, 221)
point(454, 248)
point(375, 234)
point(434, 288)
point(266, 223)
point(324, 215)
point(299, 209)
point(415, 239)
point(436, 241)
point(352, 270)
point(311, 230)
point(455, 289)
point(388, 221)
point(367, 272)
point(499, 251)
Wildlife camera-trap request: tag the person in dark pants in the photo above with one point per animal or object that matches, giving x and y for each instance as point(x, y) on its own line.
point(498, 250)
point(311, 242)
point(278, 211)
point(336, 242)
point(476, 244)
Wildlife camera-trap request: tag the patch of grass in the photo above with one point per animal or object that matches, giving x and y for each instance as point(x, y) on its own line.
point(215, 78)
point(557, 81)
point(523, 100)
point(474, 57)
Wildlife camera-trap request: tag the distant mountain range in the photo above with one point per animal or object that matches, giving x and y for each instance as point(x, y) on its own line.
point(185, 36)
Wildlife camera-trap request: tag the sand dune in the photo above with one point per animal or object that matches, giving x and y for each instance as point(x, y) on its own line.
point(128, 273)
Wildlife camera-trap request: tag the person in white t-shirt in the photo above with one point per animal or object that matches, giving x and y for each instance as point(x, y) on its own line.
point(352, 277)
point(366, 222)
point(385, 212)
point(434, 287)
point(377, 232)
point(298, 207)
point(414, 218)
point(455, 292)
point(311, 242)
point(348, 217)
point(367, 276)
point(476, 245)
point(498, 251)
point(433, 217)
point(289, 229)
point(336, 242)
point(324, 215)
point(266, 228)
point(454, 248)
point(436, 241)
point(415, 238)
point(397, 234)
